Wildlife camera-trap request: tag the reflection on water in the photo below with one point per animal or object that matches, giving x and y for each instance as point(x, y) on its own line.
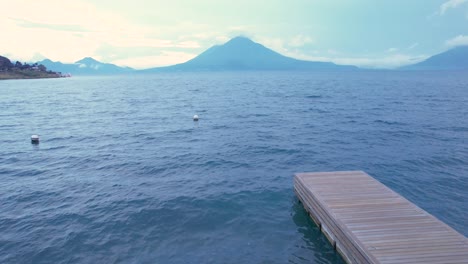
point(313, 237)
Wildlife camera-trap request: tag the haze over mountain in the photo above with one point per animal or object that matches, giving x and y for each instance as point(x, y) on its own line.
point(453, 59)
point(241, 53)
point(85, 66)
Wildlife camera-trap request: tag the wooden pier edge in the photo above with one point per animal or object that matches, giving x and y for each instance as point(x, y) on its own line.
point(323, 229)
point(324, 226)
point(367, 222)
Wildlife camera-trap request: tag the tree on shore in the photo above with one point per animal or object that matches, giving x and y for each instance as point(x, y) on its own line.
point(19, 70)
point(5, 63)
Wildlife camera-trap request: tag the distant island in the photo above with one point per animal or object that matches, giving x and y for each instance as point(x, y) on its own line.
point(18, 70)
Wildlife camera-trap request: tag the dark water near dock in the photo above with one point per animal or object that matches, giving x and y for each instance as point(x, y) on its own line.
point(123, 174)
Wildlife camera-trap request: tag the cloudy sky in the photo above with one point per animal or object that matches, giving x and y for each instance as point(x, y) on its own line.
point(144, 33)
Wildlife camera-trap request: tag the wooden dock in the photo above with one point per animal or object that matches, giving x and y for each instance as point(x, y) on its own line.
point(367, 222)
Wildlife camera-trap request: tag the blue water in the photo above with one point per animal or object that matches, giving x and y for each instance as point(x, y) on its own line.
point(123, 174)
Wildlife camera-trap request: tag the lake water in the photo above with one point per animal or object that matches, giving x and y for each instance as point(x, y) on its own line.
point(123, 174)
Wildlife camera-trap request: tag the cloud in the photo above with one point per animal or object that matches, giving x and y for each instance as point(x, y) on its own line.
point(148, 33)
point(275, 44)
point(393, 58)
point(58, 31)
point(412, 46)
point(165, 58)
point(38, 57)
point(60, 27)
point(285, 45)
point(80, 29)
point(300, 40)
point(386, 62)
point(188, 45)
point(111, 53)
point(450, 4)
point(142, 53)
point(240, 30)
point(460, 40)
point(389, 61)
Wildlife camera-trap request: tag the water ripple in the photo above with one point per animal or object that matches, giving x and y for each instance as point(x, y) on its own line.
point(123, 174)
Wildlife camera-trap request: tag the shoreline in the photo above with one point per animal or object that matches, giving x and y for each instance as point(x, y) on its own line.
point(21, 75)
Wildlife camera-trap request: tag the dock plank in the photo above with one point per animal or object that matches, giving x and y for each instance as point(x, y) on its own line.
point(370, 223)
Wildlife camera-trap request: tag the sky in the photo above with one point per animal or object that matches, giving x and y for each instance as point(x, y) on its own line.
point(144, 34)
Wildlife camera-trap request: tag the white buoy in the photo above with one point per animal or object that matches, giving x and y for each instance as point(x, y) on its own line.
point(35, 139)
point(195, 118)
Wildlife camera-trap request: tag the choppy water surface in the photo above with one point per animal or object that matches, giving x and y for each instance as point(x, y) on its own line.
point(123, 174)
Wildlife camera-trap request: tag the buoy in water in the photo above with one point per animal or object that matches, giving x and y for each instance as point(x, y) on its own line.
point(35, 139)
point(195, 118)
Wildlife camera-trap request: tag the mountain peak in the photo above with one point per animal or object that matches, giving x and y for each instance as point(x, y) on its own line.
point(240, 39)
point(45, 61)
point(241, 53)
point(241, 43)
point(87, 60)
point(85, 66)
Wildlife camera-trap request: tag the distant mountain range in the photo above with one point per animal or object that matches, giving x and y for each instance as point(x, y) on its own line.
point(86, 66)
point(241, 53)
point(453, 59)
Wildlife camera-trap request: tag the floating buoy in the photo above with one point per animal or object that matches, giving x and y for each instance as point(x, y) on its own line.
point(35, 139)
point(195, 118)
